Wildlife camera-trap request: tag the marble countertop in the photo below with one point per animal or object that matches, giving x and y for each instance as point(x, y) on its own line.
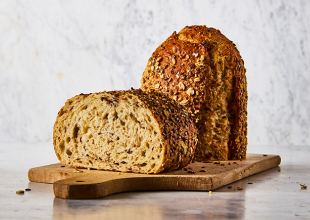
point(274, 194)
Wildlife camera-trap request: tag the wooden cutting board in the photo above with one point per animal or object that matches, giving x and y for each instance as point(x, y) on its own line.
point(70, 183)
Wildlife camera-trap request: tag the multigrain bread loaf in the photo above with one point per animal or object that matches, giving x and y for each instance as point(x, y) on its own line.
point(203, 70)
point(129, 131)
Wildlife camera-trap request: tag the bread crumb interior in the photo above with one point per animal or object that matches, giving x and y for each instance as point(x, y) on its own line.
point(110, 133)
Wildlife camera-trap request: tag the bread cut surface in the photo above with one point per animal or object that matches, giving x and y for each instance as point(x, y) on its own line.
point(129, 131)
point(203, 70)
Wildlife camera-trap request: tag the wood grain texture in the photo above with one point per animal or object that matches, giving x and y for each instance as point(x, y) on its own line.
point(90, 184)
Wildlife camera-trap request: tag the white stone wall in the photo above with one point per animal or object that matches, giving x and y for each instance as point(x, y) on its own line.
point(53, 50)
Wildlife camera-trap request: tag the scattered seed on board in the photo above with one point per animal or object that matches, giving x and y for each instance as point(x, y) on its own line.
point(78, 171)
point(20, 192)
point(210, 192)
point(27, 189)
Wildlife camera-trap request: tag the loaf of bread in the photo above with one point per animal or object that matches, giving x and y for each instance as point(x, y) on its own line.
point(203, 70)
point(129, 131)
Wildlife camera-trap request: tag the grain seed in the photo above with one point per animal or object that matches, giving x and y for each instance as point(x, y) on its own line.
point(20, 192)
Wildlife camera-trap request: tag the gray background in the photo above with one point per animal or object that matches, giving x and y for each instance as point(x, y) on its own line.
point(53, 50)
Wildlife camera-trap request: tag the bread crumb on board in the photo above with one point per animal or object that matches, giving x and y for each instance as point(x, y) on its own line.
point(303, 186)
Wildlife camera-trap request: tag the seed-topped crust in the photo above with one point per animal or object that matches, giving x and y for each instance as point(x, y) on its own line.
point(203, 70)
point(161, 136)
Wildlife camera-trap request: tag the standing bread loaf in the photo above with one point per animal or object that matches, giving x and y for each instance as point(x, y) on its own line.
point(203, 70)
point(129, 131)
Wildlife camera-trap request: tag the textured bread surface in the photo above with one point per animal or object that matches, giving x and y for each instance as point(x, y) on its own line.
point(203, 70)
point(129, 131)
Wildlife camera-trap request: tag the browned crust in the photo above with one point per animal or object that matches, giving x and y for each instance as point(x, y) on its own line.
point(172, 118)
point(196, 57)
point(175, 125)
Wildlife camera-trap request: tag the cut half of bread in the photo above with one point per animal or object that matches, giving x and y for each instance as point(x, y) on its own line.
point(128, 131)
